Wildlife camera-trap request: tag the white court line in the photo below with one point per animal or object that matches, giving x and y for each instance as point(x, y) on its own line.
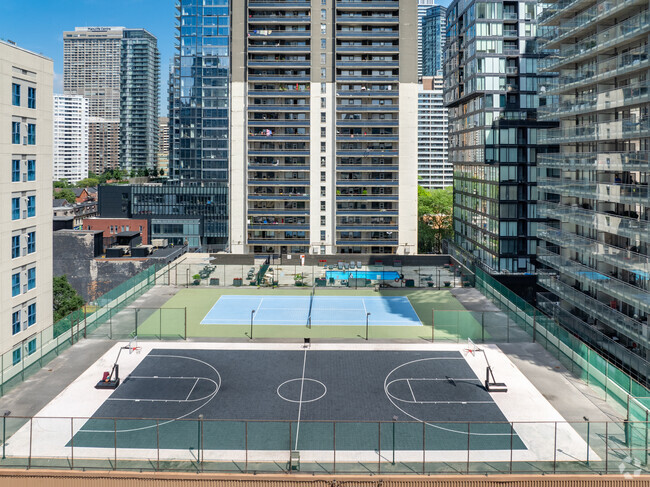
point(192, 389)
point(259, 305)
point(302, 384)
point(365, 310)
point(411, 389)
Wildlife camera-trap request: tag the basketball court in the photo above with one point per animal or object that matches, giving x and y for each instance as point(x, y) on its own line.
point(259, 401)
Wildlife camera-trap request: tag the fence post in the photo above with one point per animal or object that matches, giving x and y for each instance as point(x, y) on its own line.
point(424, 447)
point(115, 441)
point(379, 449)
point(433, 327)
point(606, 446)
point(31, 428)
point(468, 445)
point(157, 445)
point(512, 433)
point(534, 325)
point(334, 445)
point(483, 326)
point(185, 322)
point(71, 443)
point(246, 446)
point(555, 448)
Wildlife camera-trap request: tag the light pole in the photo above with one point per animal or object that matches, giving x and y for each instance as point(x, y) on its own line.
point(4, 432)
point(252, 316)
point(200, 445)
point(367, 316)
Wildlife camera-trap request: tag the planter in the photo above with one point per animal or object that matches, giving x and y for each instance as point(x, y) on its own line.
point(237, 281)
point(299, 283)
point(447, 283)
point(430, 283)
point(214, 281)
point(196, 282)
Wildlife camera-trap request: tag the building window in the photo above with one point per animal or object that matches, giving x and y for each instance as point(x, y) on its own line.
point(31, 97)
point(322, 176)
point(31, 242)
point(323, 117)
point(15, 94)
point(323, 28)
point(15, 171)
point(323, 58)
point(323, 219)
point(323, 73)
point(31, 346)
point(323, 43)
point(15, 246)
point(15, 284)
point(322, 235)
point(31, 278)
point(31, 206)
point(15, 322)
point(31, 134)
point(31, 170)
point(323, 191)
point(15, 208)
point(323, 131)
point(15, 132)
point(323, 14)
point(323, 102)
point(323, 146)
point(31, 314)
point(323, 161)
point(322, 206)
point(16, 356)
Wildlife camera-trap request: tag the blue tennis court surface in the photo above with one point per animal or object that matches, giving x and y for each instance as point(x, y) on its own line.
point(325, 310)
point(372, 275)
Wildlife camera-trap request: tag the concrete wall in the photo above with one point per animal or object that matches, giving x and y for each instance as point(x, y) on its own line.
point(91, 277)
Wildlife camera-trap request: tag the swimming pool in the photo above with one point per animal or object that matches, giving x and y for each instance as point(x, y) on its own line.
point(372, 275)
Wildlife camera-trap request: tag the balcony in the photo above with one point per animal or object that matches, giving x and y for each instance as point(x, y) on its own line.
point(616, 35)
point(631, 194)
point(571, 27)
point(627, 293)
point(633, 262)
point(618, 65)
point(570, 105)
point(631, 228)
point(279, 211)
point(597, 132)
point(608, 315)
point(367, 182)
point(601, 161)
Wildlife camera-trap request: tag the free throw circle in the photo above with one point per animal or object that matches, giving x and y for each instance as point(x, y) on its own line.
point(312, 390)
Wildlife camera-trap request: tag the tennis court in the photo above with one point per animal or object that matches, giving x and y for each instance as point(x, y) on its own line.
point(312, 311)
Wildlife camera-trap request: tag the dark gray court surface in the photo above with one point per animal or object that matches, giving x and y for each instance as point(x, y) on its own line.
point(356, 389)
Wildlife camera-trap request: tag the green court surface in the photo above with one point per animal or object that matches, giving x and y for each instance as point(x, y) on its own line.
point(181, 316)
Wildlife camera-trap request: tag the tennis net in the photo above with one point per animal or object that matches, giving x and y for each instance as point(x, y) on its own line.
point(311, 303)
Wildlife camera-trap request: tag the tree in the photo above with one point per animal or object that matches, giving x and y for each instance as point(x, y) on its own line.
point(65, 194)
point(435, 221)
point(88, 183)
point(66, 298)
point(63, 183)
point(162, 172)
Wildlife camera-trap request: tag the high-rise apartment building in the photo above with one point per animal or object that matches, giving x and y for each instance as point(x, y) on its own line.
point(71, 120)
point(423, 7)
point(323, 127)
point(117, 70)
point(434, 169)
point(491, 83)
point(163, 146)
point(433, 41)
point(26, 193)
point(139, 101)
point(594, 191)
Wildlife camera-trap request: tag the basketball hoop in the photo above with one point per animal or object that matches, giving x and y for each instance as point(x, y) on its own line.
point(471, 348)
point(135, 350)
point(133, 346)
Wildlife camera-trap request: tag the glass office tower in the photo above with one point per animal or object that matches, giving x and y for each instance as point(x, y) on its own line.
point(199, 108)
point(491, 83)
point(433, 40)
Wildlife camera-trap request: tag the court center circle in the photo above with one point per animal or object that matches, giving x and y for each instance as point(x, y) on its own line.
point(312, 390)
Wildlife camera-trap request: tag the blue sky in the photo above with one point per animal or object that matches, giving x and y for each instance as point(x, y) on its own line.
point(38, 25)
